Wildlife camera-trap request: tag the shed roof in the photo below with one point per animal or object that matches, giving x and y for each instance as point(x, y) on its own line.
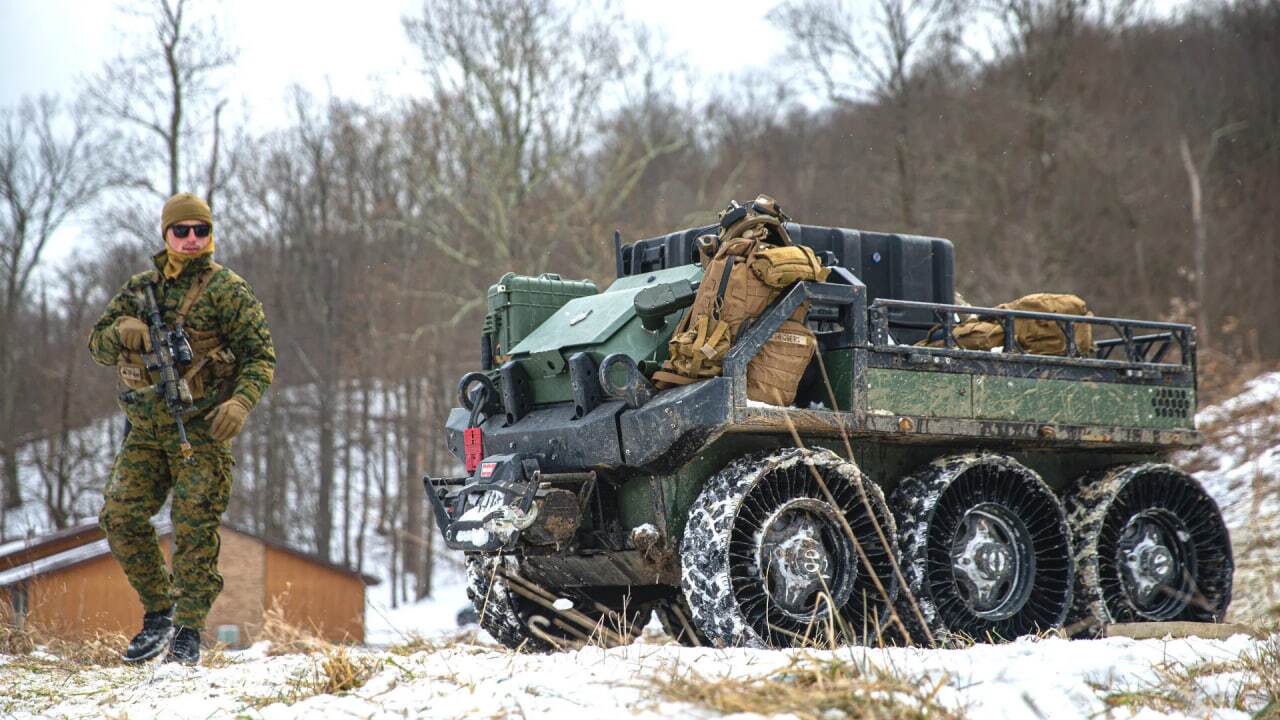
point(93, 548)
point(57, 561)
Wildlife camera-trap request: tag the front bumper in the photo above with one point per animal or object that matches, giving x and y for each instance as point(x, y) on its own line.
point(505, 501)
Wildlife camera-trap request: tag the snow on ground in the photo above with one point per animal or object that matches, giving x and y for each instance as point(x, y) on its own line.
point(433, 616)
point(1239, 465)
point(1050, 678)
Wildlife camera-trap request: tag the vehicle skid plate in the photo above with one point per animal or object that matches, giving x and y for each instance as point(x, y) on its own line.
point(487, 511)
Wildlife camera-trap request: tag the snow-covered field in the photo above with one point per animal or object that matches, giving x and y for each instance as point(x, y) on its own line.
point(1050, 678)
point(446, 677)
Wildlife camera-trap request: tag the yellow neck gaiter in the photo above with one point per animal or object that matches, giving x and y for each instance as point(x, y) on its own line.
point(175, 261)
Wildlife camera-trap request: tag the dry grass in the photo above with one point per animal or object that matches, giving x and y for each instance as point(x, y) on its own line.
point(15, 638)
point(414, 643)
point(813, 689)
point(339, 670)
point(1250, 684)
point(24, 639)
point(335, 669)
point(285, 637)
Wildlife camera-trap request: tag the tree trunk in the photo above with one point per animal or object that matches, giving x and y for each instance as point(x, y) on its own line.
point(324, 491)
point(277, 473)
point(1198, 239)
point(347, 431)
point(366, 461)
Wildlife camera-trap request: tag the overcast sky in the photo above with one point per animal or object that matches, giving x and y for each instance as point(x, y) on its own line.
point(355, 50)
point(352, 50)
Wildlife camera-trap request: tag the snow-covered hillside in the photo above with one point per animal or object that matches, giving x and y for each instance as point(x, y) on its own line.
point(1239, 465)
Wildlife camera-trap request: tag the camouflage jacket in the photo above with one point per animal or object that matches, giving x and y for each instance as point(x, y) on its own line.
point(227, 307)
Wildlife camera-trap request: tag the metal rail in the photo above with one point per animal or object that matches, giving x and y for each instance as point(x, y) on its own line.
point(1148, 349)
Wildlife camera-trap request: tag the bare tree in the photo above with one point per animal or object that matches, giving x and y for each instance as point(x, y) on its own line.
point(49, 168)
point(517, 89)
point(860, 58)
point(1200, 234)
point(64, 459)
point(164, 95)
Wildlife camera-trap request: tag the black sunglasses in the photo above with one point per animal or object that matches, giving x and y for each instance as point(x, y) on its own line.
point(180, 231)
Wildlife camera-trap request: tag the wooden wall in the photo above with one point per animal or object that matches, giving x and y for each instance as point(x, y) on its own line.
point(81, 600)
point(243, 566)
point(325, 600)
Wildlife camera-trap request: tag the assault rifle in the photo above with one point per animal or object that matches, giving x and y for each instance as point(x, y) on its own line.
point(170, 347)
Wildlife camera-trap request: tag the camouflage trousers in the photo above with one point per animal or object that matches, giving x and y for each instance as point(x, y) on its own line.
point(148, 468)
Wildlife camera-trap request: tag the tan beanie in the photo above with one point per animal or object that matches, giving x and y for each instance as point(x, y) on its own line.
point(184, 206)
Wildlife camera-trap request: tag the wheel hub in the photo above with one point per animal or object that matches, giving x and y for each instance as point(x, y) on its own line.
point(800, 558)
point(1151, 560)
point(990, 561)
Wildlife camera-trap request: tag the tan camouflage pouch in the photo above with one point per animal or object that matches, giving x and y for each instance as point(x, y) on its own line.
point(775, 372)
point(132, 371)
point(779, 267)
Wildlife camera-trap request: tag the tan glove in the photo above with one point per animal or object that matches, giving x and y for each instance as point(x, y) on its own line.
point(227, 419)
point(133, 334)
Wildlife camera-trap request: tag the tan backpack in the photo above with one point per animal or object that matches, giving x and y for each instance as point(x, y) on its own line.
point(744, 271)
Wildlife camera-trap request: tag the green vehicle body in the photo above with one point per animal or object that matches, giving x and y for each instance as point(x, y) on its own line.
point(631, 459)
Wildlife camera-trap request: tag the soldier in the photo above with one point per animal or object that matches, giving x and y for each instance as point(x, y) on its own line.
point(232, 364)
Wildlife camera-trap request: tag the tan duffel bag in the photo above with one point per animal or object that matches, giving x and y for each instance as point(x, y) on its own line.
point(1045, 337)
point(1038, 337)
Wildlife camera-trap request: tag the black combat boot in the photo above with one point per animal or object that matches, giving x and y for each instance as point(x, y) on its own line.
point(185, 647)
point(157, 630)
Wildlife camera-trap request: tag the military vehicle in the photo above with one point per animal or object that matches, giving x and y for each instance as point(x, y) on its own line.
point(915, 491)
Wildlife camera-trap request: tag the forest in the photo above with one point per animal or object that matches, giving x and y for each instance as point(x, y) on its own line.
point(1083, 146)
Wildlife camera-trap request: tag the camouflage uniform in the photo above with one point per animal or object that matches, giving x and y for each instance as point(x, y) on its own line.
point(150, 466)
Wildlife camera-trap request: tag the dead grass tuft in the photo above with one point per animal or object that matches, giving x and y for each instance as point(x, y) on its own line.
point(813, 688)
point(285, 637)
point(1250, 684)
point(341, 671)
point(16, 638)
point(23, 638)
point(335, 669)
point(415, 643)
point(217, 657)
point(102, 649)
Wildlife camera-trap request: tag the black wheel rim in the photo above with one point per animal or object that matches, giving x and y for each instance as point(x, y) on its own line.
point(803, 552)
point(785, 523)
point(993, 561)
point(1163, 551)
point(1024, 584)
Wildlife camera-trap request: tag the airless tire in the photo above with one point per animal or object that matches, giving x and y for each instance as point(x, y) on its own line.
point(784, 549)
point(986, 551)
point(1150, 546)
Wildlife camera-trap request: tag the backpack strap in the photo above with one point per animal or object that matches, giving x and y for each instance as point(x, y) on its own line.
point(718, 305)
point(195, 291)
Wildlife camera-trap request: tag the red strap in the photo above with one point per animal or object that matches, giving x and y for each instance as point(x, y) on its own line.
point(473, 446)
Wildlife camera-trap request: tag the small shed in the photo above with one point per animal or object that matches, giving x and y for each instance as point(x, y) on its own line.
point(68, 583)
